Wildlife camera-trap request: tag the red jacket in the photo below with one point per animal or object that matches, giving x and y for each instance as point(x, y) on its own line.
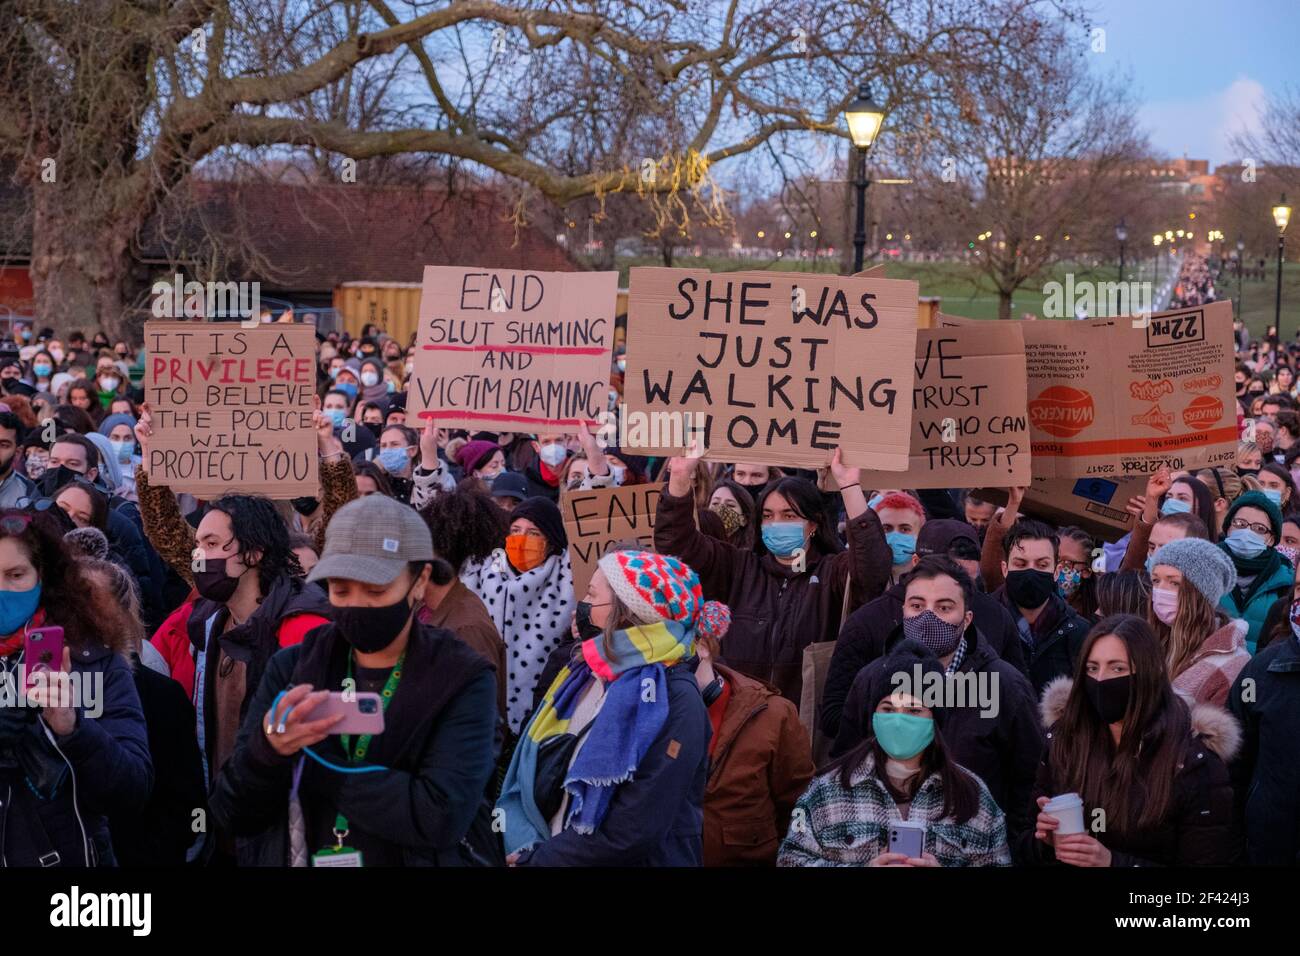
point(172, 640)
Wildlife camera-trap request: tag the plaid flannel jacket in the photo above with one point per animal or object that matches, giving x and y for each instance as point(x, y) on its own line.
point(832, 826)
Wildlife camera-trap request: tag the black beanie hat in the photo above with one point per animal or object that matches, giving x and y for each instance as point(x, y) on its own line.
point(544, 513)
point(902, 659)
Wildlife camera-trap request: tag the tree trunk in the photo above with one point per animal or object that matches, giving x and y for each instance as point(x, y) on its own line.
point(666, 250)
point(1004, 304)
point(79, 276)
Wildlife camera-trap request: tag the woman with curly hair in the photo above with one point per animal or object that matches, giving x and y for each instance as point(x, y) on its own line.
point(104, 751)
point(466, 525)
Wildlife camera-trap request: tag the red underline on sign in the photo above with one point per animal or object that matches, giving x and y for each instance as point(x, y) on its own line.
point(536, 349)
point(500, 417)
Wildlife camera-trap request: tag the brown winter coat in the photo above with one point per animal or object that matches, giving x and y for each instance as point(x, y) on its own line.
point(776, 612)
point(462, 613)
point(761, 765)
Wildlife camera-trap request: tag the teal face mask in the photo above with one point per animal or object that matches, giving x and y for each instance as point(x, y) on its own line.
point(902, 736)
point(784, 538)
point(902, 546)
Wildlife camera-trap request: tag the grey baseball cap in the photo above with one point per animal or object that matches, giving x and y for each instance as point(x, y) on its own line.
point(371, 540)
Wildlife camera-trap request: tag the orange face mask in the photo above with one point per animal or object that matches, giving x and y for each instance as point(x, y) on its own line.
point(525, 551)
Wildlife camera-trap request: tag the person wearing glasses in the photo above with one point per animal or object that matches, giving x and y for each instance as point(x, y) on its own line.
point(74, 759)
point(1252, 529)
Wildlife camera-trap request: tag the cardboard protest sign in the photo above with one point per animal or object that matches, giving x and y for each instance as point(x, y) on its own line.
point(1116, 397)
point(598, 519)
point(232, 408)
point(776, 368)
point(969, 424)
point(500, 349)
point(1095, 504)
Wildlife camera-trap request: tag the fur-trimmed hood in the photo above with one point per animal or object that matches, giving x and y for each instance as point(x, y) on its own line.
point(1214, 726)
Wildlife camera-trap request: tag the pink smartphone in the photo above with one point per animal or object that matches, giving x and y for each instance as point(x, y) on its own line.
point(363, 712)
point(42, 650)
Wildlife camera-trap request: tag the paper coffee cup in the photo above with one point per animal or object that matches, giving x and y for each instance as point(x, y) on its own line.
point(1068, 808)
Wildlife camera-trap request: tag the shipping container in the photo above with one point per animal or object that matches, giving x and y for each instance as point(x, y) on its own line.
point(393, 306)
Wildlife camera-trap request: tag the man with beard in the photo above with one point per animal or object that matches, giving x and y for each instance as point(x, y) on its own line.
point(13, 486)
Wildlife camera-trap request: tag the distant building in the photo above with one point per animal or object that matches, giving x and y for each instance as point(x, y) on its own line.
point(302, 242)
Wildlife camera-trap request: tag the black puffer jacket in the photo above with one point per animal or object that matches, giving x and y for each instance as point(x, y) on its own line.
point(1267, 774)
point(1058, 633)
point(1198, 829)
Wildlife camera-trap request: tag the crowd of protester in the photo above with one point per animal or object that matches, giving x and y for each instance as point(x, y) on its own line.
point(666, 714)
point(1195, 282)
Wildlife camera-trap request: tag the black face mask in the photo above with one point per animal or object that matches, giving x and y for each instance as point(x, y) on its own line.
point(586, 629)
point(371, 629)
point(1029, 589)
point(214, 583)
point(1109, 698)
point(304, 506)
point(1252, 472)
point(56, 478)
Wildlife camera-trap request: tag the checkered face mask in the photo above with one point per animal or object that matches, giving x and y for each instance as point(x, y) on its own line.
point(938, 636)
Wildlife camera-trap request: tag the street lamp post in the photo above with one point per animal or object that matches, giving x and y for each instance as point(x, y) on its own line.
point(1241, 292)
point(1281, 216)
point(864, 117)
point(1121, 233)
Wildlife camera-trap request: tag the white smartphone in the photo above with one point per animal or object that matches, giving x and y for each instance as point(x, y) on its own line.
point(907, 839)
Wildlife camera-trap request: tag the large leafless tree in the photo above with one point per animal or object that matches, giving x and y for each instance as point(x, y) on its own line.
point(1035, 148)
point(108, 107)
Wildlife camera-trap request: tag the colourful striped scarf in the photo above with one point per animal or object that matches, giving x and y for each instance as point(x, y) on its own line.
point(634, 712)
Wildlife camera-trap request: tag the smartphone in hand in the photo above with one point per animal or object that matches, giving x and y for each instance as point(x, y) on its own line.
point(42, 651)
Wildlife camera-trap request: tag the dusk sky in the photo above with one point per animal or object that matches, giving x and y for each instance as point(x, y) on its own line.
point(1200, 67)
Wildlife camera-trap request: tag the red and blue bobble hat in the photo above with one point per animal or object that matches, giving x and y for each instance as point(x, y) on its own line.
point(656, 587)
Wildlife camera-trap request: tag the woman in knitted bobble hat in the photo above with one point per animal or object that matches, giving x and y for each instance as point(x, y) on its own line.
point(1204, 649)
point(610, 770)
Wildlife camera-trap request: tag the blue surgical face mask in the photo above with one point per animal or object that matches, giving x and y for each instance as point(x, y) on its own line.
point(903, 546)
point(348, 389)
point(783, 538)
point(1274, 495)
point(337, 415)
point(17, 608)
point(619, 472)
point(42, 370)
point(875, 500)
point(392, 386)
point(1150, 563)
point(393, 459)
point(1244, 543)
point(1175, 506)
point(334, 373)
point(902, 736)
point(123, 450)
